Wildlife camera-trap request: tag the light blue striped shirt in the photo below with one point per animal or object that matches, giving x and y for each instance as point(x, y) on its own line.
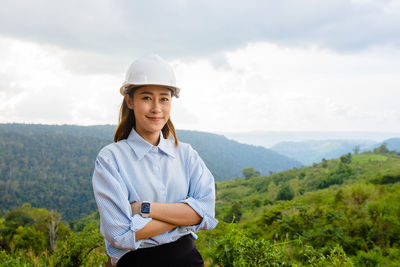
point(135, 170)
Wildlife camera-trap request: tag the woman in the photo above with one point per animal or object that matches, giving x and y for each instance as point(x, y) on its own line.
point(152, 193)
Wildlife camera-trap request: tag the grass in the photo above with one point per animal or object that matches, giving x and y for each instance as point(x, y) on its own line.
point(364, 158)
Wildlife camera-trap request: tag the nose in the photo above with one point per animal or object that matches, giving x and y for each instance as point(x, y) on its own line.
point(155, 107)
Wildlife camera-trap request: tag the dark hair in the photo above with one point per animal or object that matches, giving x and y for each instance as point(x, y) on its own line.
point(127, 121)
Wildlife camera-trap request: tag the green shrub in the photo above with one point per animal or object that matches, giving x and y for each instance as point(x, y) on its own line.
point(371, 258)
point(235, 248)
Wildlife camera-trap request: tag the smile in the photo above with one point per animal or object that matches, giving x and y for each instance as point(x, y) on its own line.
point(155, 118)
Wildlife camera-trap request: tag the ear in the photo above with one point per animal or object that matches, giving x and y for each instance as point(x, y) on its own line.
point(128, 101)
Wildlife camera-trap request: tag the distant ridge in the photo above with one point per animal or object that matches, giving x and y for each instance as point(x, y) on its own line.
point(51, 166)
point(313, 151)
point(224, 157)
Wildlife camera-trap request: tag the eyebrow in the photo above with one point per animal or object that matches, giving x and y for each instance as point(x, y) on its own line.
point(150, 93)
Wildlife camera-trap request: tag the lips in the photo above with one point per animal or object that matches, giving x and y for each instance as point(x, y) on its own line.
point(155, 118)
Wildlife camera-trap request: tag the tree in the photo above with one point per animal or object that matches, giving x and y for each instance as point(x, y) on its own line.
point(382, 149)
point(51, 223)
point(324, 163)
point(78, 250)
point(272, 191)
point(346, 159)
point(248, 172)
point(29, 238)
point(234, 213)
point(356, 149)
point(285, 193)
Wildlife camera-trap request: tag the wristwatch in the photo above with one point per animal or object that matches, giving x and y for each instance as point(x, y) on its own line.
point(145, 209)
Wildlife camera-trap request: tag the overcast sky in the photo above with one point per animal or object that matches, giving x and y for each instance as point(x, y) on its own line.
point(306, 65)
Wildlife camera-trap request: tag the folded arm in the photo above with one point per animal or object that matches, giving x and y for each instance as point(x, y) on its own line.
point(197, 210)
point(180, 214)
point(153, 228)
point(120, 227)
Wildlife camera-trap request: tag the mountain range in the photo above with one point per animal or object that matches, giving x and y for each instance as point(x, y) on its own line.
point(313, 151)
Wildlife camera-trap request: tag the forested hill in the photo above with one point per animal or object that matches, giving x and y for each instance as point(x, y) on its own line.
point(51, 166)
point(227, 158)
point(351, 202)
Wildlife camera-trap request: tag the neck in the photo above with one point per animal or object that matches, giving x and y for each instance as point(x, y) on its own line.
point(151, 137)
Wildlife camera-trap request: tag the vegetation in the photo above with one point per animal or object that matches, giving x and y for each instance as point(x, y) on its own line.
point(37, 237)
point(339, 212)
point(352, 223)
point(49, 170)
point(347, 206)
point(51, 166)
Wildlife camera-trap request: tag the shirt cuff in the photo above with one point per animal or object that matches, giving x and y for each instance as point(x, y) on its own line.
point(208, 222)
point(128, 239)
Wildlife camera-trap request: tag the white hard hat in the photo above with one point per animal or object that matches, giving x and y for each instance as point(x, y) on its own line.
point(150, 70)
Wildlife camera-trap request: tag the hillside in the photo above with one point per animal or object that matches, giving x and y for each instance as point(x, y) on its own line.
point(226, 158)
point(352, 201)
point(51, 166)
point(342, 212)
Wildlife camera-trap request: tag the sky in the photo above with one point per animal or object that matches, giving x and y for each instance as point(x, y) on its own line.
point(301, 65)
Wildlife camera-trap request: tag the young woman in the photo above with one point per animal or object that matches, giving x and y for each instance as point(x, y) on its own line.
point(152, 192)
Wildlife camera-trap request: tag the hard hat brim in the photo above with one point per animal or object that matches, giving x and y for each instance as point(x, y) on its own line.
point(175, 90)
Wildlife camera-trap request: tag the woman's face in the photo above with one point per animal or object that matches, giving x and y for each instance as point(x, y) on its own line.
point(151, 105)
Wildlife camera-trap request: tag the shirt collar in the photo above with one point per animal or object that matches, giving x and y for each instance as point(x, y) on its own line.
point(141, 147)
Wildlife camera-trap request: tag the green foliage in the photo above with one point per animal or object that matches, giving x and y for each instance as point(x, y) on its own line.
point(226, 158)
point(355, 214)
point(24, 259)
point(30, 239)
point(338, 176)
point(324, 164)
point(235, 248)
point(336, 258)
point(346, 159)
point(389, 178)
point(382, 149)
point(371, 258)
point(232, 245)
point(79, 225)
point(285, 193)
point(78, 250)
point(49, 170)
point(250, 172)
point(26, 238)
point(31, 228)
point(234, 213)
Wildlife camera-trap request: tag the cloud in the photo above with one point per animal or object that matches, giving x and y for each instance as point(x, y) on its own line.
point(179, 28)
point(36, 86)
point(258, 86)
point(271, 87)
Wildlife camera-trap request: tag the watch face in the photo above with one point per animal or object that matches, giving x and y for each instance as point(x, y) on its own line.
point(145, 207)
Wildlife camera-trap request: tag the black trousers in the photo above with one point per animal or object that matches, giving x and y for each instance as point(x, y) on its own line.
point(182, 252)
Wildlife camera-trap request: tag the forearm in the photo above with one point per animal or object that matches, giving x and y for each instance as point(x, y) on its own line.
point(175, 213)
point(179, 214)
point(153, 228)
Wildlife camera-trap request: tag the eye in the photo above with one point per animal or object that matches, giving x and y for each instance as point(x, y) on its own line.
point(146, 98)
point(165, 99)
